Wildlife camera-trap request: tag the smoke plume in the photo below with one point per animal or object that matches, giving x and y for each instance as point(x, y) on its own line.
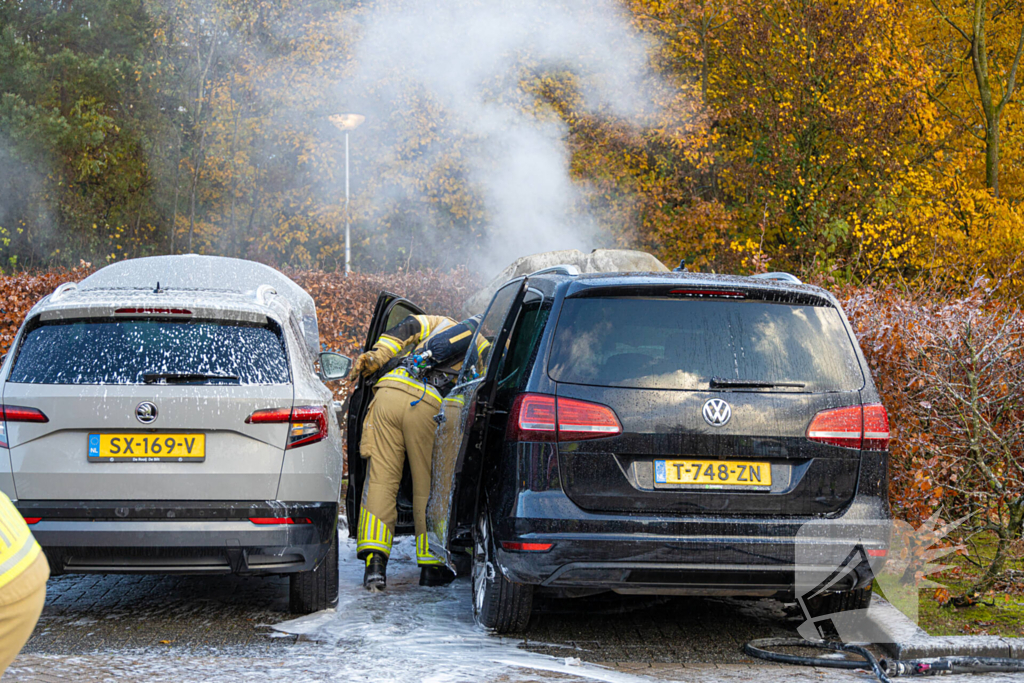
point(454, 74)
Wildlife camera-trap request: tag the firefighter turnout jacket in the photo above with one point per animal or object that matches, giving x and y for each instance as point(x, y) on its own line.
point(18, 550)
point(23, 574)
point(446, 340)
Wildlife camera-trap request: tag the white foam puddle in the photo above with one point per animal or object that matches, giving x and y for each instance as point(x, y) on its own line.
point(411, 633)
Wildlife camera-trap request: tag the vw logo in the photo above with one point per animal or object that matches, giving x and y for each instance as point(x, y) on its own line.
point(716, 412)
point(145, 412)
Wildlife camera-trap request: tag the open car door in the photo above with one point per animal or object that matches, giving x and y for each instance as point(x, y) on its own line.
point(463, 422)
point(390, 310)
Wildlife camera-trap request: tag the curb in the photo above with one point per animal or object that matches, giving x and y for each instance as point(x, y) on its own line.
point(906, 640)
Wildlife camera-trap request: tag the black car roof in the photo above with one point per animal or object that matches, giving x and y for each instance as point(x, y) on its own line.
point(576, 284)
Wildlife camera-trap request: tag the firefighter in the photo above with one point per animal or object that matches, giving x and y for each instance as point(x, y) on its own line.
point(416, 361)
point(23, 574)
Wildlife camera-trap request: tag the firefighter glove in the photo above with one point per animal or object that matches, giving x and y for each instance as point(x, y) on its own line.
point(366, 364)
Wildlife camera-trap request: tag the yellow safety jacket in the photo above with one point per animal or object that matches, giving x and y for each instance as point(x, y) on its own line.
point(419, 331)
point(18, 549)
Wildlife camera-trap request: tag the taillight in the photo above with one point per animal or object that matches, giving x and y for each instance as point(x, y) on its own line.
point(152, 311)
point(33, 520)
point(876, 428)
point(533, 418)
point(519, 547)
point(308, 423)
point(270, 416)
point(17, 414)
point(539, 417)
point(878, 552)
point(280, 520)
point(862, 427)
point(579, 420)
point(709, 292)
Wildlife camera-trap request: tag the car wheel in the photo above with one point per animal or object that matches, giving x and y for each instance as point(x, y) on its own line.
point(498, 604)
point(315, 590)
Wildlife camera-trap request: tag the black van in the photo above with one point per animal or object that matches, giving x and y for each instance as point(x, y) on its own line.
point(650, 434)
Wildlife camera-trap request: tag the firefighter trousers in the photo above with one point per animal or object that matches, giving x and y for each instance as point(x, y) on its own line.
point(392, 429)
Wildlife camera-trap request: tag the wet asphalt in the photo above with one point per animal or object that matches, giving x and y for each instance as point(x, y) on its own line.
point(225, 614)
point(219, 629)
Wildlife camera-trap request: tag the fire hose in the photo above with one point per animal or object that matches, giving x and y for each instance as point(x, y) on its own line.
point(884, 670)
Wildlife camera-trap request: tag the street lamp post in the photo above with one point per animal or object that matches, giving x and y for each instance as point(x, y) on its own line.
point(347, 122)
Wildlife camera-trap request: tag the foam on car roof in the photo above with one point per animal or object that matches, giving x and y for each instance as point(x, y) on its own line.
point(193, 272)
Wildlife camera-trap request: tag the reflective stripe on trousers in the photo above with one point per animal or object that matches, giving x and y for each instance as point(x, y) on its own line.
point(373, 535)
point(423, 556)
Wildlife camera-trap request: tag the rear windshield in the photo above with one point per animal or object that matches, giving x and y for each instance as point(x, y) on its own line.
point(661, 343)
point(151, 351)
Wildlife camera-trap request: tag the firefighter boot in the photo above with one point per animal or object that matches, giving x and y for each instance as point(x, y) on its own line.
point(375, 577)
point(435, 575)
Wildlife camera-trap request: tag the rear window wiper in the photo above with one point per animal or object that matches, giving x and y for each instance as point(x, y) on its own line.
point(721, 383)
point(186, 378)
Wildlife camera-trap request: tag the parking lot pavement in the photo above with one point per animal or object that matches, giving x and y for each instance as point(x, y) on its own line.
point(86, 613)
point(212, 629)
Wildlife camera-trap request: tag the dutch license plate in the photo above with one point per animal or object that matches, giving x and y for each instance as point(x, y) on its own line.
point(147, 447)
point(712, 473)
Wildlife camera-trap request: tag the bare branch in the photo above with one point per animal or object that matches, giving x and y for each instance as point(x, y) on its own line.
point(952, 23)
point(1011, 82)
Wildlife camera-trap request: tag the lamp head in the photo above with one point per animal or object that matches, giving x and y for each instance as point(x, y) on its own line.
point(346, 122)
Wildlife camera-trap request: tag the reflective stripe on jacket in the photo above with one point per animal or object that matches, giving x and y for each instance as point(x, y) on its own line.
point(413, 331)
point(18, 549)
point(399, 378)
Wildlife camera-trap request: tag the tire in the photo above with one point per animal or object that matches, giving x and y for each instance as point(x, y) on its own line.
point(315, 590)
point(498, 604)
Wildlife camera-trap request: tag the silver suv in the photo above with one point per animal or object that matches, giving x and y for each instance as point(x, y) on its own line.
point(168, 415)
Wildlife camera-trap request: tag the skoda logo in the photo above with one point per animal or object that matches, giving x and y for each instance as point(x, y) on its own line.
point(716, 412)
point(146, 412)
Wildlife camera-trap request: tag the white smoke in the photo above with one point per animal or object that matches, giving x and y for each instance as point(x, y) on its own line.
point(466, 58)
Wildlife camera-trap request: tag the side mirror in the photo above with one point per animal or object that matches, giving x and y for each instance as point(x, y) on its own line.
point(334, 366)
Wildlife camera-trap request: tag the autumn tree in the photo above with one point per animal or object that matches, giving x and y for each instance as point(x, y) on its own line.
point(979, 55)
point(77, 113)
point(818, 115)
point(681, 212)
point(940, 216)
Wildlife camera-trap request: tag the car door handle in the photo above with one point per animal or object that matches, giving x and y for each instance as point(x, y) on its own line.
point(439, 419)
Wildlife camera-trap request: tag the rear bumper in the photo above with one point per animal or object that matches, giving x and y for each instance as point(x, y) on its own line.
point(186, 537)
point(686, 556)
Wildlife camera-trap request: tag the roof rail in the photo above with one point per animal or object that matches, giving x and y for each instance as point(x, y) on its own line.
point(62, 290)
point(561, 269)
point(779, 277)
